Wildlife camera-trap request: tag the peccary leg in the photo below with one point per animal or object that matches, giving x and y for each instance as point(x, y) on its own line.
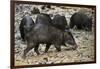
point(71, 25)
point(36, 49)
point(75, 47)
point(47, 47)
point(29, 47)
point(23, 35)
point(58, 47)
point(79, 26)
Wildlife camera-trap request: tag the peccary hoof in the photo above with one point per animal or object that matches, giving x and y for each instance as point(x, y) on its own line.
point(74, 48)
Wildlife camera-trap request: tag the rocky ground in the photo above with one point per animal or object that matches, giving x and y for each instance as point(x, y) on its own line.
point(84, 39)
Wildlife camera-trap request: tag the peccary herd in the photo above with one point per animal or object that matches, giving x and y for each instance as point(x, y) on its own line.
point(51, 31)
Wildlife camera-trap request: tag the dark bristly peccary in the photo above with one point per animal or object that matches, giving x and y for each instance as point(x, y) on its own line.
point(60, 22)
point(81, 21)
point(26, 26)
point(44, 33)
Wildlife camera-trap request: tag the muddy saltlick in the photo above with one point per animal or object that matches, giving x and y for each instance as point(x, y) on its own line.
point(84, 39)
